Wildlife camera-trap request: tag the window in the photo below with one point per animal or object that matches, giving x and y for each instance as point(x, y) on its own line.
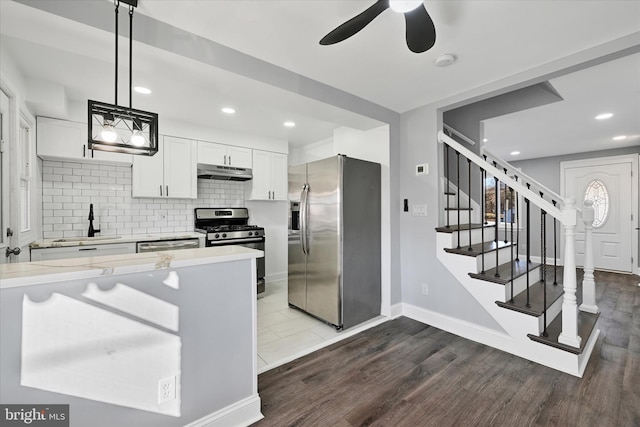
point(507, 203)
point(25, 178)
point(597, 192)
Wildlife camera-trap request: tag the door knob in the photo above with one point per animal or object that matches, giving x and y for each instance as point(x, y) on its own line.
point(14, 251)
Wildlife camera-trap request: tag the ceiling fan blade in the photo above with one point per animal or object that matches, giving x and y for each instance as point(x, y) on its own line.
point(421, 33)
point(355, 24)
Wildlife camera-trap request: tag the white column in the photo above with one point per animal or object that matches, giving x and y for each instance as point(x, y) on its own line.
point(569, 334)
point(588, 282)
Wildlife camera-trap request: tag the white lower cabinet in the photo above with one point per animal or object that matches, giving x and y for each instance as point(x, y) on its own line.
point(171, 172)
point(65, 140)
point(269, 176)
point(46, 254)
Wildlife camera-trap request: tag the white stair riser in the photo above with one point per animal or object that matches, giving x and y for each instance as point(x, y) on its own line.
point(552, 313)
point(520, 283)
point(504, 256)
point(464, 217)
point(476, 236)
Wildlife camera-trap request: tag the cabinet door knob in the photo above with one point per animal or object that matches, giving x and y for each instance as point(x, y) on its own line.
point(167, 192)
point(160, 190)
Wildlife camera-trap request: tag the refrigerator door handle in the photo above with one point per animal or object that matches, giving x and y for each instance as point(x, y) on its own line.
point(303, 219)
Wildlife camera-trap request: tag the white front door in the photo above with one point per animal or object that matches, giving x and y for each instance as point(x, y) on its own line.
point(609, 182)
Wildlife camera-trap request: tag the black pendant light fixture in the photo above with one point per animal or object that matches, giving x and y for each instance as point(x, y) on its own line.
point(122, 129)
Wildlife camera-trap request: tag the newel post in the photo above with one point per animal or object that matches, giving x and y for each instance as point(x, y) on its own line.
point(588, 282)
point(569, 334)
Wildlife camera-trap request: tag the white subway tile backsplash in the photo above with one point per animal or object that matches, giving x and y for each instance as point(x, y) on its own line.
point(69, 187)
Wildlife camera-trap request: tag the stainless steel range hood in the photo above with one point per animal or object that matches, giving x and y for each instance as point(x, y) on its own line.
point(228, 173)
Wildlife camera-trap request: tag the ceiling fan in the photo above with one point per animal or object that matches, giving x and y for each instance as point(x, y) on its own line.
point(420, 31)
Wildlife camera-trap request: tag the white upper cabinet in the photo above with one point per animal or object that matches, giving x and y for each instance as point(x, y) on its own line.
point(269, 176)
point(171, 173)
point(65, 140)
point(211, 153)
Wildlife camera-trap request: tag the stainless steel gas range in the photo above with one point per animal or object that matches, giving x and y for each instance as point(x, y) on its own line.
point(230, 226)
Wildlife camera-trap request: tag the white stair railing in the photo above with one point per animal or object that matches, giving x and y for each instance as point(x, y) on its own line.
point(568, 216)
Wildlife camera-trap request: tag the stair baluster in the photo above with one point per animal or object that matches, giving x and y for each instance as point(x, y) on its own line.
point(543, 240)
point(458, 193)
point(512, 258)
point(555, 250)
point(483, 216)
point(446, 173)
point(528, 254)
point(469, 172)
point(505, 209)
point(518, 222)
point(497, 217)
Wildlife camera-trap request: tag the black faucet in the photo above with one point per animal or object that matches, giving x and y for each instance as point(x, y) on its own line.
point(92, 231)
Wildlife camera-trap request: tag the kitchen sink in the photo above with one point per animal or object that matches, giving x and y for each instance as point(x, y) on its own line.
point(85, 239)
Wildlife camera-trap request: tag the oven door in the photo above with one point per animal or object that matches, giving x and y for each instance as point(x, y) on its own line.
point(247, 243)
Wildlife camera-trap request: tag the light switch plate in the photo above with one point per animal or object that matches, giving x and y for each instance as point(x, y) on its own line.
point(419, 210)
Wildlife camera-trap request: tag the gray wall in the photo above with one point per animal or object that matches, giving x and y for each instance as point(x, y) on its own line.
point(216, 329)
point(546, 170)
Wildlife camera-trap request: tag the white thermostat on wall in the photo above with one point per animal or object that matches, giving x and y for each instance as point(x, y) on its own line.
point(422, 169)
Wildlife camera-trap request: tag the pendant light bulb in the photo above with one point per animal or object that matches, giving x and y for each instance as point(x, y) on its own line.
point(404, 6)
point(108, 134)
point(137, 139)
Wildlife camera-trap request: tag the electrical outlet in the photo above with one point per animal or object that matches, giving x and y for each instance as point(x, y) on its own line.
point(425, 289)
point(161, 216)
point(167, 389)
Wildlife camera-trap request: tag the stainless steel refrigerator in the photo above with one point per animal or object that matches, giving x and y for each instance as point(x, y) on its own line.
point(334, 240)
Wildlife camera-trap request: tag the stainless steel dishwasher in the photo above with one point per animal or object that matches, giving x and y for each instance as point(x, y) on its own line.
point(167, 245)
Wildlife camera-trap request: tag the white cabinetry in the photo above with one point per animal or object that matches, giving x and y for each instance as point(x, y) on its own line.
point(269, 176)
point(210, 153)
point(46, 254)
point(65, 140)
point(172, 172)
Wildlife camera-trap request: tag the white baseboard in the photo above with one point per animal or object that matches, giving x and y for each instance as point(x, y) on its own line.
point(395, 311)
point(276, 277)
point(240, 414)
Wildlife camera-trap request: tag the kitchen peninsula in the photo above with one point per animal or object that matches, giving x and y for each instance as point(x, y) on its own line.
point(159, 338)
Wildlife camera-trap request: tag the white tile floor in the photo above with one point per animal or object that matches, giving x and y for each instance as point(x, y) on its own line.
point(284, 333)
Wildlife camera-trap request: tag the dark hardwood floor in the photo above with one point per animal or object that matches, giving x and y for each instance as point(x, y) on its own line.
point(404, 373)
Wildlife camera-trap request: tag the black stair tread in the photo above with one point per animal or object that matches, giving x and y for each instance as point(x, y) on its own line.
point(504, 272)
point(586, 324)
point(478, 248)
point(536, 299)
point(458, 227)
point(458, 209)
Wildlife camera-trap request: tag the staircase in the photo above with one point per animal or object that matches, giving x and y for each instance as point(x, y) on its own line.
point(511, 268)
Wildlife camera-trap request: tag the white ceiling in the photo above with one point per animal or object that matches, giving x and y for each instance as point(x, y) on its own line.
point(491, 39)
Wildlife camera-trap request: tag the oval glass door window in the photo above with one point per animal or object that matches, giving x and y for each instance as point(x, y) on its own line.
point(597, 192)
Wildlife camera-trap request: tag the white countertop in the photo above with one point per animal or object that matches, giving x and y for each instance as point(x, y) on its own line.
point(32, 273)
point(103, 240)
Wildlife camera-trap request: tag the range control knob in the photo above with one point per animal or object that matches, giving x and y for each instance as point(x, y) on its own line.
point(224, 234)
point(217, 235)
point(250, 234)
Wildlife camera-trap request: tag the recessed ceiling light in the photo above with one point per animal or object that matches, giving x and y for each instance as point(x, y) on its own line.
point(619, 137)
point(228, 110)
point(142, 90)
point(289, 124)
point(515, 153)
point(604, 116)
point(485, 140)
